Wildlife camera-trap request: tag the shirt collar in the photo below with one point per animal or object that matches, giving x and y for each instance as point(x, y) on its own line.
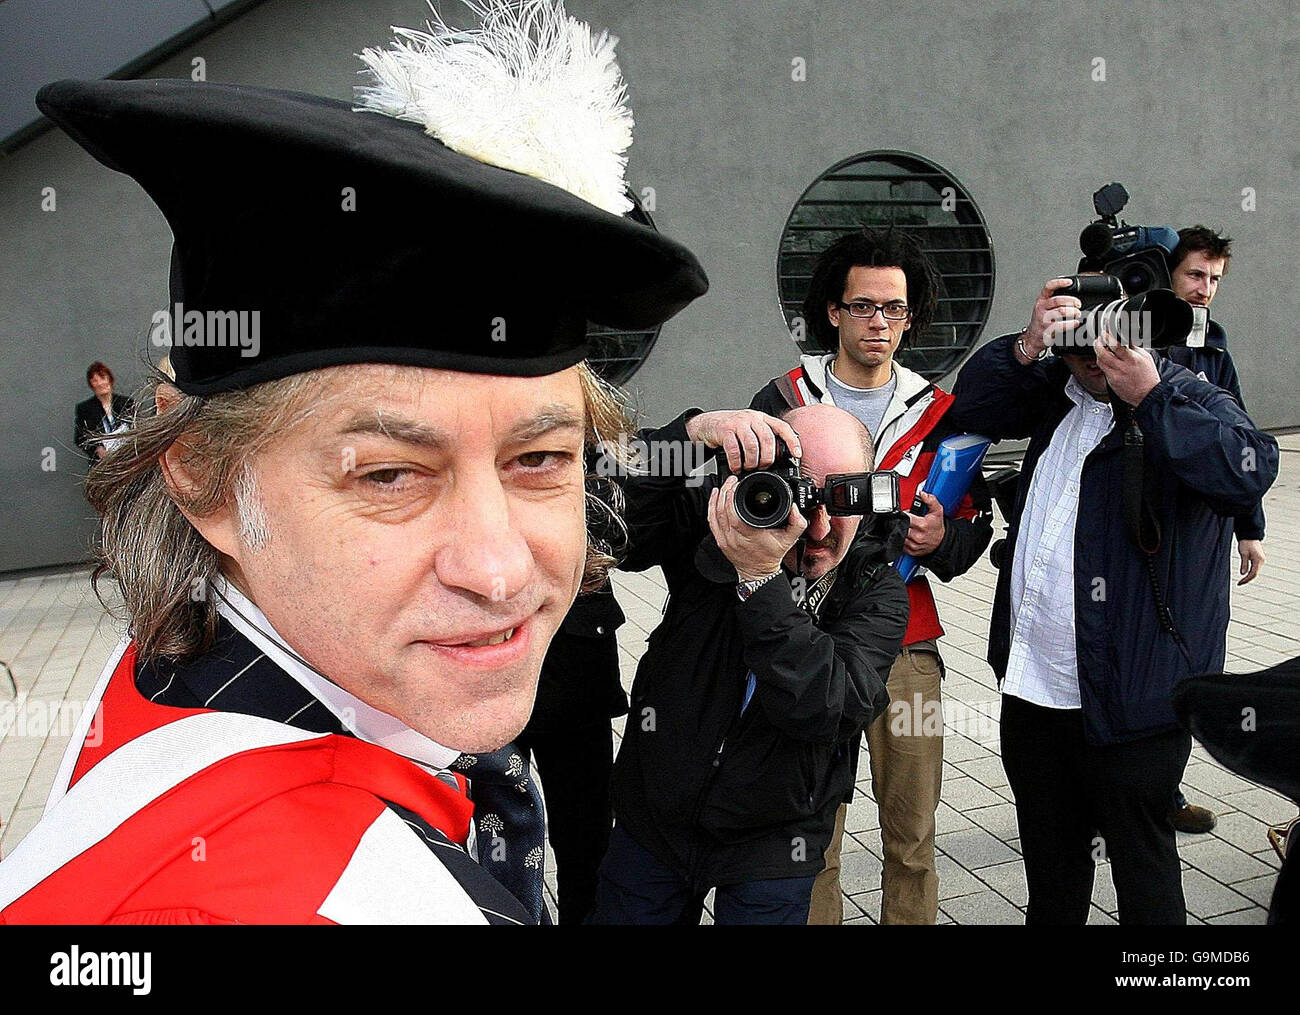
point(366, 721)
point(890, 385)
point(1081, 397)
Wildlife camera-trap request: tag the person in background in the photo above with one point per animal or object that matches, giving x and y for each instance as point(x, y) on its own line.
point(1196, 267)
point(572, 744)
point(750, 700)
point(1091, 631)
point(100, 415)
point(870, 293)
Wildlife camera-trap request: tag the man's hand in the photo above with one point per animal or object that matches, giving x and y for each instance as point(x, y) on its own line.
point(747, 436)
point(100, 451)
point(925, 532)
point(1053, 317)
point(1252, 559)
point(756, 553)
point(1131, 372)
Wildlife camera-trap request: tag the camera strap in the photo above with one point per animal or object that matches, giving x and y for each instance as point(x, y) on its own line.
point(818, 590)
point(1140, 515)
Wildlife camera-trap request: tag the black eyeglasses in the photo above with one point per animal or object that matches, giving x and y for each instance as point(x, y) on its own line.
point(867, 310)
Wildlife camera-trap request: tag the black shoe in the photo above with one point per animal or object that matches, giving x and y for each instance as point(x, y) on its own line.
point(1190, 818)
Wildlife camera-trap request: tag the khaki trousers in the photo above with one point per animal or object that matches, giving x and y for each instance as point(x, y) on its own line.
point(906, 750)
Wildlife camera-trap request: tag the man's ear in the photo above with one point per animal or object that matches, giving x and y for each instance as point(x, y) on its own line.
point(833, 314)
point(220, 528)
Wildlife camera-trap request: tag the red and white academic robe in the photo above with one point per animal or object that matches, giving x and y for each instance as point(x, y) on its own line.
point(182, 815)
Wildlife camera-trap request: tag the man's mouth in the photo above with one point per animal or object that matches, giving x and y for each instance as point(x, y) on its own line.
point(490, 639)
point(480, 639)
point(487, 649)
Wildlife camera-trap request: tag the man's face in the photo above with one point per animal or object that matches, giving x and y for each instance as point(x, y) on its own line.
point(1197, 277)
point(830, 446)
point(101, 385)
point(1088, 374)
point(873, 341)
point(426, 537)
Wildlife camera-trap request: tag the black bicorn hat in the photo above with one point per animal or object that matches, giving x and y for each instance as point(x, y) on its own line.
point(358, 237)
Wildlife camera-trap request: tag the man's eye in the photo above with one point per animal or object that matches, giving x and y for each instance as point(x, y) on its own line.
point(543, 459)
point(859, 308)
point(384, 477)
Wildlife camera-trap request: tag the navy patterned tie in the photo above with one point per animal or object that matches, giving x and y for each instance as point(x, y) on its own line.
point(510, 823)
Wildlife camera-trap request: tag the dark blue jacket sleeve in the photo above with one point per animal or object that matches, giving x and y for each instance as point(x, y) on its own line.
point(999, 397)
point(1221, 371)
point(1200, 433)
point(1251, 524)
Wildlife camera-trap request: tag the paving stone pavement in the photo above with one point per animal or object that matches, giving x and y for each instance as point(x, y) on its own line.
point(55, 637)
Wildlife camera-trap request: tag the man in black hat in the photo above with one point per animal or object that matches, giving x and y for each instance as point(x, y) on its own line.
point(348, 534)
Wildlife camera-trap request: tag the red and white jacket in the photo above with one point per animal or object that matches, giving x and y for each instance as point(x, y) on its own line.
point(180, 815)
point(909, 436)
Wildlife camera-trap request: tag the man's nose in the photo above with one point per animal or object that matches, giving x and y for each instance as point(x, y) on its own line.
point(819, 524)
point(484, 552)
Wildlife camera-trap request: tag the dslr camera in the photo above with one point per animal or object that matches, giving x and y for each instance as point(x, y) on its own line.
point(764, 496)
point(1128, 292)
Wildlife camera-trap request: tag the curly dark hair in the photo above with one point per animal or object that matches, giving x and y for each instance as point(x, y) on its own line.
point(868, 248)
point(1198, 237)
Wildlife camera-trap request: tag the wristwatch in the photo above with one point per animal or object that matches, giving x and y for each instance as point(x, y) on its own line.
point(745, 589)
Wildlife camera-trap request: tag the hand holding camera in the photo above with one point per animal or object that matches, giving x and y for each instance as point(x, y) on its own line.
point(1053, 316)
point(750, 439)
point(756, 553)
point(1130, 372)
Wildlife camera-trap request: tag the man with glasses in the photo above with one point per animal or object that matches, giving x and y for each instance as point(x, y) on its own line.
point(869, 293)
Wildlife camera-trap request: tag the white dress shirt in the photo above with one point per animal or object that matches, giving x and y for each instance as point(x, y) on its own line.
point(366, 721)
point(1043, 667)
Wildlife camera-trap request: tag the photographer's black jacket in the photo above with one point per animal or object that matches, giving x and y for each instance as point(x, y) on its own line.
point(726, 797)
point(1211, 463)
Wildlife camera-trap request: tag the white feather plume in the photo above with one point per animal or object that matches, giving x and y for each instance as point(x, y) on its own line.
point(531, 89)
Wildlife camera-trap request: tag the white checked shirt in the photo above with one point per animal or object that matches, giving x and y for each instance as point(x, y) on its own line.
point(1043, 667)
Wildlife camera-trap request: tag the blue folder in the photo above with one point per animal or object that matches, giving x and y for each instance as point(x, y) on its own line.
point(955, 464)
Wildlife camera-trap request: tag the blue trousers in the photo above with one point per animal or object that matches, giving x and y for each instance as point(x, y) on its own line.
point(635, 888)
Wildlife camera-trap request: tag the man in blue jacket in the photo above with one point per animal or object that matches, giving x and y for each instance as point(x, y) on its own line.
point(1089, 632)
point(1196, 267)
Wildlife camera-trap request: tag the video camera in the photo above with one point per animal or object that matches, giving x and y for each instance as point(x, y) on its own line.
point(1128, 294)
point(764, 496)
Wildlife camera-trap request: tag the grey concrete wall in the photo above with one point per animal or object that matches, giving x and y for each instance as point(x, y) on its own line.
point(1198, 103)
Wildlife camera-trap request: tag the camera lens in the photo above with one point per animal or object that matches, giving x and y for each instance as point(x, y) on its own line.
point(763, 500)
point(1138, 279)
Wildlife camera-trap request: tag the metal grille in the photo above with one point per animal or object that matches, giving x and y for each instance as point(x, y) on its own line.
point(885, 188)
point(617, 355)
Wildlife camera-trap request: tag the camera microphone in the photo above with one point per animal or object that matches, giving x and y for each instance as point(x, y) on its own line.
point(1096, 242)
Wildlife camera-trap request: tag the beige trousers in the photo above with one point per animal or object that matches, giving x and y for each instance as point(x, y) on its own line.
point(906, 750)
